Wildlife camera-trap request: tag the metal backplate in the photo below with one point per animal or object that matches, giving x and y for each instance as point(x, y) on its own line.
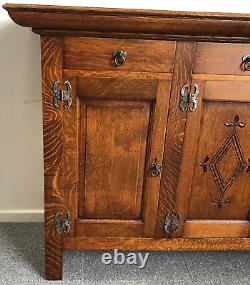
point(172, 223)
point(63, 222)
point(62, 95)
point(189, 100)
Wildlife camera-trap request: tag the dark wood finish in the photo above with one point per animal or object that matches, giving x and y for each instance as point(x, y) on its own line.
point(97, 153)
point(44, 17)
point(151, 56)
point(175, 135)
point(220, 58)
point(51, 49)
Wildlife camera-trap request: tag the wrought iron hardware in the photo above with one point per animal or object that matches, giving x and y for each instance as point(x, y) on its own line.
point(235, 123)
point(155, 169)
point(188, 98)
point(245, 64)
point(63, 95)
point(220, 203)
point(119, 57)
point(203, 164)
point(172, 223)
point(63, 222)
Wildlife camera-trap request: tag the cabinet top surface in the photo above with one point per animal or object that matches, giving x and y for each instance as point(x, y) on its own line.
point(147, 22)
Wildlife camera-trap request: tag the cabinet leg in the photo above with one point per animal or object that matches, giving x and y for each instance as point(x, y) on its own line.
point(53, 262)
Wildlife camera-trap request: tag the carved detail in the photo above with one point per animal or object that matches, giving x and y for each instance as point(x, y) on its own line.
point(235, 123)
point(220, 203)
point(248, 167)
point(233, 142)
point(203, 164)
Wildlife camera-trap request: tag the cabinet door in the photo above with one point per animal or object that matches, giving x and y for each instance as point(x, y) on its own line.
point(119, 134)
point(213, 195)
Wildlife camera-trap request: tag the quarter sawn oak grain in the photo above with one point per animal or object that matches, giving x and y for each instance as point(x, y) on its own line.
point(98, 154)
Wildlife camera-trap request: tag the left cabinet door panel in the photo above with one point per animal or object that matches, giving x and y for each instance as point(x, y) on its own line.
point(119, 127)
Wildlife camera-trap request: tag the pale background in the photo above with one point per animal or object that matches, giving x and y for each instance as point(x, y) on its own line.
point(21, 160)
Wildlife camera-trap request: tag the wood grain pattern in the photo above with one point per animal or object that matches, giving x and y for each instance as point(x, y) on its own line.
point(223, 176)
point(53, 154)
point(109, 228)
point(159, 121)
point(215, 229)
point(109, 159)
point(151, 56)
point(131, 21)
point(161, 244)
point(97, 153)
point(175, 134)
point(122, 88)
point(188, 160)
point(70, 146)
point(220, 58)
point(231, 164)
point(115, 141)
point(227, 91)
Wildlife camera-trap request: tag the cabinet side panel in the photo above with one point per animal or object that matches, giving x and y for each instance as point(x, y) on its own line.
point(175, 134)
point(53, 144)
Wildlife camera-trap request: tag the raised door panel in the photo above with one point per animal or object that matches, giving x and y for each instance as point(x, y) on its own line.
point(121, 128)
point(214, 188)
point(115, 152)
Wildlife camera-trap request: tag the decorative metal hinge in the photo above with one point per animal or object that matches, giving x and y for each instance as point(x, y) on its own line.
point(63, 222)
point(172, 223)
point(63, 95)
point(188, 98)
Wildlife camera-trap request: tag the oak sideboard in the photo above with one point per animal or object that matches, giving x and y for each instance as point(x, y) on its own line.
point(146, 129)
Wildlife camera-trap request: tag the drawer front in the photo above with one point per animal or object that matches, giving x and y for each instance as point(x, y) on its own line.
point(97, 54)
point(221, 58)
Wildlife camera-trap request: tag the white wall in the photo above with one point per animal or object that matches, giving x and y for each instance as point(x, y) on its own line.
point(21, 166)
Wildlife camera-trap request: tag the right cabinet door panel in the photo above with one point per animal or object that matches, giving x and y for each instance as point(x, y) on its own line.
point(213, 195)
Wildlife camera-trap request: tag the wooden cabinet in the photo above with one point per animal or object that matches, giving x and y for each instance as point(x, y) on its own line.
point(146, 129)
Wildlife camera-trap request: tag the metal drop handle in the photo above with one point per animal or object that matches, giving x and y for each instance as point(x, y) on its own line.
point(245, 64)
point(119, 57)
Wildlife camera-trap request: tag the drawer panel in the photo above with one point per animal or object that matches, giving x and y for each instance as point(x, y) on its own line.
point(96, 54)
point(220, 58)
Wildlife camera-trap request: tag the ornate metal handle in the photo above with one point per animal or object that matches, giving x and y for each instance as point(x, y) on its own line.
point(155, 169)
point(119, 57)
point(188, 98)
point(63, 95)
point(245, 64)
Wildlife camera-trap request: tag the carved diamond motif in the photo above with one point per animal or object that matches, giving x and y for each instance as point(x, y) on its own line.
point(231, 144)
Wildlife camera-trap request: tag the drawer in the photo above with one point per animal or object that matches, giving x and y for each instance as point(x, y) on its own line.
point(220, 58)
point(97, 54)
